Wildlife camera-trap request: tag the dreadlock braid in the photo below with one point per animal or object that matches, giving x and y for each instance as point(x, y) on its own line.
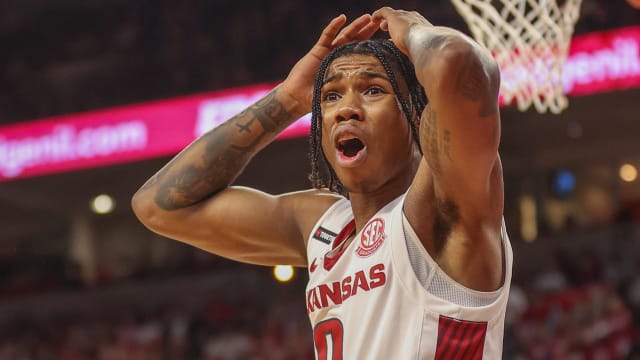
point(316, 134)
point(394, 82)
point(392, 60)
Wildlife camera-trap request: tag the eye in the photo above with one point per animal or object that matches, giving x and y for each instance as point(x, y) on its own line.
point(374, 90)
point(331, 96)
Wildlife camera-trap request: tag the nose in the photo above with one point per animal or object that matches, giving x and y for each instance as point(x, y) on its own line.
point(349, 110)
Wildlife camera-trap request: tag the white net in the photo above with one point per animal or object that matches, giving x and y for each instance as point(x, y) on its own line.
point(530, 41)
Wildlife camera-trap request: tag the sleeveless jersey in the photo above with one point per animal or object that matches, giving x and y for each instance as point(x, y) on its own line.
point(367, 302)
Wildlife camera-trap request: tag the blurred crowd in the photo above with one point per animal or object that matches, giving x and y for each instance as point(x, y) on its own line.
point(69, 56)
point(223, 325)
point(580, 306)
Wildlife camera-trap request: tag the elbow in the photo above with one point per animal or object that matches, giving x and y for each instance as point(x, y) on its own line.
point(145, 210)
point(138, 204)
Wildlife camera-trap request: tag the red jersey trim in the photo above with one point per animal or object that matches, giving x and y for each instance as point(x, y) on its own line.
point(330, 260)
point(460, 339)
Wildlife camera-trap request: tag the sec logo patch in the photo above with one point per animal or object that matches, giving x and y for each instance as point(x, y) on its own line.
point(371, 238)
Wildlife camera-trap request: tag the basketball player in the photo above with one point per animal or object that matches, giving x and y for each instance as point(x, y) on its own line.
point(403, 236)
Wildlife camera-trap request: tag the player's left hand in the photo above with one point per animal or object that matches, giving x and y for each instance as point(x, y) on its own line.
point(398, 23)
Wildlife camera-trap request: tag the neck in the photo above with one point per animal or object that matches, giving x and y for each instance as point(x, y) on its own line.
point(365, 205)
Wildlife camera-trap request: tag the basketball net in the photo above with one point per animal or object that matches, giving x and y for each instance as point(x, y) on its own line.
point(530, 40)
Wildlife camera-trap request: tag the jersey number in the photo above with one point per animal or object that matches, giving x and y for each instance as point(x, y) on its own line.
point(328, 329)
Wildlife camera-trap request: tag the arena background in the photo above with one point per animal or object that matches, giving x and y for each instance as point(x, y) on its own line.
point(77, 285)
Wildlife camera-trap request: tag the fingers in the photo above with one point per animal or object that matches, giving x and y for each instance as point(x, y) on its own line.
point(361, 28)
point(382, 14)
point(330, 31)
point(368, 31)
point(354, 30)
point(363, 34)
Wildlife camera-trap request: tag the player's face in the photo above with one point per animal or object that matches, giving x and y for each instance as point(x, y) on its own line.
point(365, 135)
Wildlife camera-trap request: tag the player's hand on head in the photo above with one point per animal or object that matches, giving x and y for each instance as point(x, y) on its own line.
point(361, 28)
point(299, 82)
point(397, 23)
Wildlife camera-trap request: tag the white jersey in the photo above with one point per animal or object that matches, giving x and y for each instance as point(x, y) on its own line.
point(383, 297)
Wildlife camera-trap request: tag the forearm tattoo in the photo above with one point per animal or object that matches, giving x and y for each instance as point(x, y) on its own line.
point(213, 161)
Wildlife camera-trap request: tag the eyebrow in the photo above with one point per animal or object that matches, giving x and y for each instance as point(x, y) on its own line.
point(361, 74)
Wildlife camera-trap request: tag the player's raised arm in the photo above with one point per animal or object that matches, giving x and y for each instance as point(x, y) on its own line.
point(190, 198)
point(460, 178)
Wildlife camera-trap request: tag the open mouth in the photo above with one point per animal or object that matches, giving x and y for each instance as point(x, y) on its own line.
point(350, 147)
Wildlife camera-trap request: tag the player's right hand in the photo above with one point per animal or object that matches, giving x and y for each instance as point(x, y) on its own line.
point(299, 83)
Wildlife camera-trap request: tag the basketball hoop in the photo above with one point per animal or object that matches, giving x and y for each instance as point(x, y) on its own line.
point(530, 41)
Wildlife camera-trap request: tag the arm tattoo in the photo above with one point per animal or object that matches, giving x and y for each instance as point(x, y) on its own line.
point(433, 145)
point(213, 161)
point(429, 139)
point(446, 144)
point(473, 83)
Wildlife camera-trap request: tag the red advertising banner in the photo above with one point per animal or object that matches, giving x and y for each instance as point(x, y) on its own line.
point(603, 61)
point(122, 134)
point(597, 62)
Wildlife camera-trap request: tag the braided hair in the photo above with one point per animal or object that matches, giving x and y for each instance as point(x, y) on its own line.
point(322, 174)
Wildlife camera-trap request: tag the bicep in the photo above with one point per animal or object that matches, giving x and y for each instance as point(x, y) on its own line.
point(245, 225)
